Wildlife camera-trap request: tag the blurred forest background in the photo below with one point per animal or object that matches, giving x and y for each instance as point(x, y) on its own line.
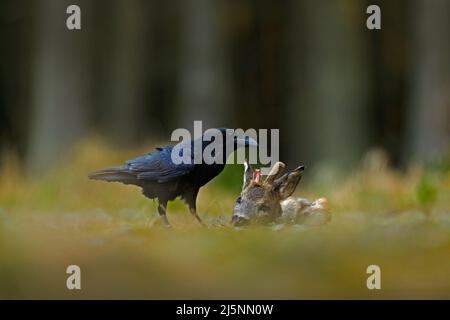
point(374, 102)
point(139, 69)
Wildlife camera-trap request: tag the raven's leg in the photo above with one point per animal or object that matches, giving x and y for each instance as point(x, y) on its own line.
point(193, 210)
point(191, 202)
point(162, 208)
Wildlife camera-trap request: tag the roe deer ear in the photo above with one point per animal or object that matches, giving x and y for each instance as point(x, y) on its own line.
point(286, 185)
point(276, 171)
point(248, 174)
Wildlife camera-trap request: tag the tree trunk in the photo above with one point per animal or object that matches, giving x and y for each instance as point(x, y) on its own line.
point(203, 79)
point(429, 121)
point(327, 103)
point(60, 84)
point(122, 88)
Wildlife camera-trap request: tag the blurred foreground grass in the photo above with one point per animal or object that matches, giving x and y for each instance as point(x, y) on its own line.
point(399, 221)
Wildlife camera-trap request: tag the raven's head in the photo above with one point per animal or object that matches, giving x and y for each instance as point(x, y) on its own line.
point(238, 140)
point(220, 143)
point(259, 201)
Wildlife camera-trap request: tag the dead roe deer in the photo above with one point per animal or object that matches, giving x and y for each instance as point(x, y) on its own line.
point(270, 201)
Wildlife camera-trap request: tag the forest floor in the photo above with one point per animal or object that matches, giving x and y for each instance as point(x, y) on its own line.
point(399, 221)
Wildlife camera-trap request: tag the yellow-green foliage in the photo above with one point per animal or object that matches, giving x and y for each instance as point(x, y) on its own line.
point(399, 221)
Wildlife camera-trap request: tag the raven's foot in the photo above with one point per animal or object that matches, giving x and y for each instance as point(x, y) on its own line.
point(166, 221)
point(157, 222)
point(162, 212)
point(194, 213)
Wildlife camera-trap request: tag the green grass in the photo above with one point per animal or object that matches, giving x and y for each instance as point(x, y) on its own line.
point(399, 221)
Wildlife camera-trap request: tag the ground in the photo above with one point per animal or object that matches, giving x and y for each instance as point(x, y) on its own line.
point(399, 220)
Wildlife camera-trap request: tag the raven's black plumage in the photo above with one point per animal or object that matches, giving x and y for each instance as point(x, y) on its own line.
point(161, 179)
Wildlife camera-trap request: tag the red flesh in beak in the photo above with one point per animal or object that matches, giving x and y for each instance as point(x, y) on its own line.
point(257, 175)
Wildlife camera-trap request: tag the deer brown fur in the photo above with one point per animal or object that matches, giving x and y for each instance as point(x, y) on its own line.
point(268, 201)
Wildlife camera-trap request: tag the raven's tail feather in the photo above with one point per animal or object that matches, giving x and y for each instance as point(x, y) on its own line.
point(116, 174)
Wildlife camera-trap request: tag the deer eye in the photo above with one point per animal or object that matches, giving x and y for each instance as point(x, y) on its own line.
point(239, 200)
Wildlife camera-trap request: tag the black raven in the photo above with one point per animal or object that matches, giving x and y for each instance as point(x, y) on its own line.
point(160, 178)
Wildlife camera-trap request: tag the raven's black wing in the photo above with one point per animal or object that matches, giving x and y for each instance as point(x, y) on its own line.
point(158, 166)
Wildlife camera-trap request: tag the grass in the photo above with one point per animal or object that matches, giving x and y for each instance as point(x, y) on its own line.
point(397, 220)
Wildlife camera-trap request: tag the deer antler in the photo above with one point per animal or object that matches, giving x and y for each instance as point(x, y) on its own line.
point(276, 171)
point(248, 174)
point(288, 182)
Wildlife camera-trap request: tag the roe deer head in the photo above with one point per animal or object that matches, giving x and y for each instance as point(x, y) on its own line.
point(270, 200)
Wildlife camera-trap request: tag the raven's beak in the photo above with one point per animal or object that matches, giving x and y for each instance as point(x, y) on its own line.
point(246, 142)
